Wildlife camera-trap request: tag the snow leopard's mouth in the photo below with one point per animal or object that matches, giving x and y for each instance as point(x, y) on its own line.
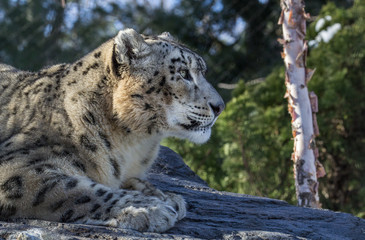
point(196, 126)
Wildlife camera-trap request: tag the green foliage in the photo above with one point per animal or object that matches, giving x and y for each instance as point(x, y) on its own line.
point(254, 135)
point(39, 24)
point(339, 82)
point(34, 34)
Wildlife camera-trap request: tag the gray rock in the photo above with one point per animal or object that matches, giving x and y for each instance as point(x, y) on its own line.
point(211, 215)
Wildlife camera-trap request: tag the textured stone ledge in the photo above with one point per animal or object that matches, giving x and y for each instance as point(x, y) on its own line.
point(211, 215)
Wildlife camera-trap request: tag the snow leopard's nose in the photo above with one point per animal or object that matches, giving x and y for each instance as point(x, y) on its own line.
point(217, 108)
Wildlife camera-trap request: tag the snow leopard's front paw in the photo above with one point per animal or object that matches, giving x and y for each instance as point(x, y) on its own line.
point(153, 218)
point(177, 202)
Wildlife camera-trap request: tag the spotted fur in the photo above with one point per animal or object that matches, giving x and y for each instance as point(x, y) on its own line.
point(77, 139)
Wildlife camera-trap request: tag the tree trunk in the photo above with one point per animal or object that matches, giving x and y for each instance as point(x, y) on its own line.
point(301, 105)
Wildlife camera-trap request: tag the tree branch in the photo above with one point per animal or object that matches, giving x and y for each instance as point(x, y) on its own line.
point(301, 106)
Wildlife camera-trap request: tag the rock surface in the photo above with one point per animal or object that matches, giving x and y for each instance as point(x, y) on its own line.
point(211, 215)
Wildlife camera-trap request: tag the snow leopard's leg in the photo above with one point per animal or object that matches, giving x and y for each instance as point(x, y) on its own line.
point(48, 193)
point(174, 200)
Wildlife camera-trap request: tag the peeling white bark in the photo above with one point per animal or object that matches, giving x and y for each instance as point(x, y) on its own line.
point(301, 107)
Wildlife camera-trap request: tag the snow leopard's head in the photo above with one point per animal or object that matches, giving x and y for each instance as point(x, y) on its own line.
point(162, 86)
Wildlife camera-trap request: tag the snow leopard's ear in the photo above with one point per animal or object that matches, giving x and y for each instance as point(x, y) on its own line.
point(167, 36)
point(130, 45)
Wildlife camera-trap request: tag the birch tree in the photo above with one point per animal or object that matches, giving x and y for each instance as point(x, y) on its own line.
point(302, 105)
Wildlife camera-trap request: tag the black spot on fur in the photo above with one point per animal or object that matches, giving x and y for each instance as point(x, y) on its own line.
point(95, 65)
point(182, 54)
point(79, 165)
point(108, 209)
point(149, 81)
point(85, 142)
point(105, 140)
point(62, 67)
point(114, 202)
point(149, 129)
point(155, 73)
point(39, 170)
point(136, 96)
point(57, 205)
point(75, 68)
point(100, 192)
point(163, 81)
point(108, 197)
point(7, 211)
point(71, 183)
point(97, 55)
point(13, 187)
point(35, 161)
point(42, 193)
point(89, 118)
point(153, 117)
point(48, 88)
point(147, 106)
point(104, 80)
point(149, 91)
point(83, 200)
point(14, 111)
point(87, 70)
point(173, 60)
point(67, 215)
point(95, 207)
point(116, 167)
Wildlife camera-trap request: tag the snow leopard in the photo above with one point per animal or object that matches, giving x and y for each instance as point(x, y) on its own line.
point(76, 140)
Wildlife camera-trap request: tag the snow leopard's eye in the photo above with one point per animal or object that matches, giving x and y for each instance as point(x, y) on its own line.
point(185, 74)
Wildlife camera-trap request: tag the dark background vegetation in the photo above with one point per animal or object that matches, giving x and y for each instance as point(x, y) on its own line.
point(251, 146)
